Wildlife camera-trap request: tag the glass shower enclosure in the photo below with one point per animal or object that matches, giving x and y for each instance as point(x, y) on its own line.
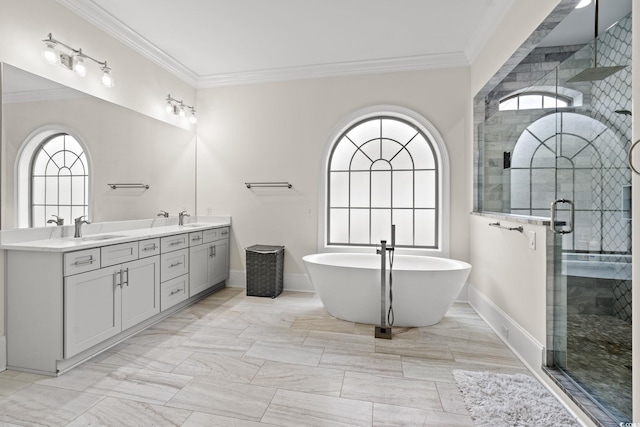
point(558, 149)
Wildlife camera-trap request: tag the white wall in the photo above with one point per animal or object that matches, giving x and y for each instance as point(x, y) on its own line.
point(277, 132)
point(510, 275)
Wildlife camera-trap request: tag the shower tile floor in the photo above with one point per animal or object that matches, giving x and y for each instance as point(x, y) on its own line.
point(599, 359)
point(233, 360)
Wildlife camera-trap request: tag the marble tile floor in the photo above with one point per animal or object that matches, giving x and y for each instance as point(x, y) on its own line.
point(233, 360)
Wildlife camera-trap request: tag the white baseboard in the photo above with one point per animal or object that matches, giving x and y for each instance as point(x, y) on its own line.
point(290, 282)
point(514, 336)
point(3, 353)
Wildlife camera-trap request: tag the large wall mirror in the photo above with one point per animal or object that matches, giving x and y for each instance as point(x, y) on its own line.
point(121, 147)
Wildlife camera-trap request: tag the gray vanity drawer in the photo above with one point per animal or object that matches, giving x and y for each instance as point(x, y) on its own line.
point(214, 234)
point(117, 254)
point(173, 243)
point(195, 238)
point(174, 264)
point(81, 261)
point(174, 291)
point(148, 247)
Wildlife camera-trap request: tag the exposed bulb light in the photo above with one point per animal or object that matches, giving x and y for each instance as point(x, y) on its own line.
point(169, 107)
point(107, 79)
point(179, 108)
point(73, 59)
point(49, 52)
point(583, 3)
point(79, 66)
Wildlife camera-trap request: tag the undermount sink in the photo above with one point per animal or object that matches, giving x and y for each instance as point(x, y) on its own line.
point(195, 225)
point(102, 237)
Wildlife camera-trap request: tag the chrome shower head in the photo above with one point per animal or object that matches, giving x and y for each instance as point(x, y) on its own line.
point(595, 73)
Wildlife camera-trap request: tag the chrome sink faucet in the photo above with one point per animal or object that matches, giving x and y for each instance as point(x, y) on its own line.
point(57, 221)
point(164, 214)
point(181, 216)
point(79, 221)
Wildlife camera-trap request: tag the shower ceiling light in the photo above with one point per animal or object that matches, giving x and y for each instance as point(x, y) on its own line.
point(179, 108)
point(73, 59)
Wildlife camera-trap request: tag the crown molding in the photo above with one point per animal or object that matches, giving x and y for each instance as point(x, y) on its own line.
point(448, 60)
point(97, 16)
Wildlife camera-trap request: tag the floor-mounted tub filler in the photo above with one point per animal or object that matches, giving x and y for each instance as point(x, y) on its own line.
point(424, 287)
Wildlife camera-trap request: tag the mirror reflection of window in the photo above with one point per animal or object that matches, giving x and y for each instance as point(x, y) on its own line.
point(59, 181)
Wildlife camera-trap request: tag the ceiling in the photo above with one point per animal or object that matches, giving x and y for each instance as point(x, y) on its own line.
point(215, 42)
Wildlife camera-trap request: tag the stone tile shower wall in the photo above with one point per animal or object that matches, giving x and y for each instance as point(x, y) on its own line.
point(601, 227)
point(610, 95)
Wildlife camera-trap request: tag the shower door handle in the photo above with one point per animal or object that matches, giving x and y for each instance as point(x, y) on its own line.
point(630, 158)
point(553, 217)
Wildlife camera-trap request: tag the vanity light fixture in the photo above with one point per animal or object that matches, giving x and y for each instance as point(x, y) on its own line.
point(179, 108)
point(73, 59)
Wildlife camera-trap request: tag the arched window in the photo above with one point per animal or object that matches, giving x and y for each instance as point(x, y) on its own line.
point(541, 97)
point(385, 169)
point(52, 179)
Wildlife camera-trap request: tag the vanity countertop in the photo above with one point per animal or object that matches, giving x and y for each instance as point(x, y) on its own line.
point(122, 232)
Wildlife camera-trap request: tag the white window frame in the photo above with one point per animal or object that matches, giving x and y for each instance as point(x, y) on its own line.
point(22, 174)
point(442, 157)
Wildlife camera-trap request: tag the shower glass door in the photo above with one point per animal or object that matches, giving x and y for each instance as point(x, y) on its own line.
point(588, 148)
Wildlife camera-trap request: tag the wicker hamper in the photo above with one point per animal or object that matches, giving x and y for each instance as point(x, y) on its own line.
point(265, 265)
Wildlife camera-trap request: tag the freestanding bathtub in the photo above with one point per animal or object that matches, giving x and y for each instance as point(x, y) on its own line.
point(424, 288)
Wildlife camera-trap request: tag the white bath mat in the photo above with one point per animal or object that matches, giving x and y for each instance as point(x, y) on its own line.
point(510, 400)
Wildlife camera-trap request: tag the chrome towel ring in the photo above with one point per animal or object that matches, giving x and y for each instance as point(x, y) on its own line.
point(630, 159)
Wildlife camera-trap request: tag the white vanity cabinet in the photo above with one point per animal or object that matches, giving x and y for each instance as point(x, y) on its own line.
point(64, 305)
point(208, 261)
point(102, 303)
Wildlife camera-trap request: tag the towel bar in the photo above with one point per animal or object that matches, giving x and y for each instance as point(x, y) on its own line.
point(116, 186)
point(497, 225)
point(268, 184)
